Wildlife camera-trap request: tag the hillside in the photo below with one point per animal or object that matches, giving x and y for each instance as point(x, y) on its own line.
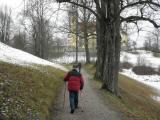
point(19, 57)
point(28, 85)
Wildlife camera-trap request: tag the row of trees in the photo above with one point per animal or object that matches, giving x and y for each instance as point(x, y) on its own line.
point(5, 24)
point(110, 14)
point(37, 24)
point(33, 31)
point(81, 24)
point(152, 42)
point(87, 27)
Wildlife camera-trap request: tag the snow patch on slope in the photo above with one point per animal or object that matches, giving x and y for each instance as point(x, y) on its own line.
point(15, 56)
point(150, 80)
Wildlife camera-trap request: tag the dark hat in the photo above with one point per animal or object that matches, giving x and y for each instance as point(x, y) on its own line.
point(75, 66)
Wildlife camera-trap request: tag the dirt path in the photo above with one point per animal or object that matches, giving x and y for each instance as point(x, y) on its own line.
point(91, 107)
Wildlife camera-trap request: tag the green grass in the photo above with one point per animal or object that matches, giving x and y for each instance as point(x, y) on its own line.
point(27, 93)
point(136, 102)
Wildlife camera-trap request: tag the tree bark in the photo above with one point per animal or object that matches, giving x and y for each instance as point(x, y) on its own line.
point(112, 47)
point(100, 48)
point(85, 22)
point(101, 31)
point(86, 46)
point(77, 34)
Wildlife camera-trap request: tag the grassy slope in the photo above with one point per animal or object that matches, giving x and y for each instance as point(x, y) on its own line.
point(26, 93)
point(135, 102)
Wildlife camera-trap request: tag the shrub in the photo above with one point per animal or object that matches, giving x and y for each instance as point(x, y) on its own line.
point(159, 70)
point(144, 70)
point(126, 65)
point(156, 54)
point(133, 52)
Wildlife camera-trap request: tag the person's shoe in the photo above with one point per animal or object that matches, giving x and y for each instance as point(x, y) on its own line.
point(72, 111)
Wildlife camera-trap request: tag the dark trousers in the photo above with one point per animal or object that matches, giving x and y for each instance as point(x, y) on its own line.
point(73, 97)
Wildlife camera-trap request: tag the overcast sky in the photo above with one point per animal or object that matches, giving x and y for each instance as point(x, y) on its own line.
point(11, 3)
point(14, 4)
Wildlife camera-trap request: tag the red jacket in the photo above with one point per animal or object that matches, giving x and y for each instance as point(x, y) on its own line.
point(75, 80)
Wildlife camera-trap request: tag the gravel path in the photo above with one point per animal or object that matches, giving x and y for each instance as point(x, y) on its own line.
point(91, 106)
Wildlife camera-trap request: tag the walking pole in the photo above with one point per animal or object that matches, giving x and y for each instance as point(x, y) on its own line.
point(81, 101)
point(64, 100)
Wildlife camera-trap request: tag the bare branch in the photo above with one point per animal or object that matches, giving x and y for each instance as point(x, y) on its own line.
point(138, 18)
point(80, 5)
point(140, 3)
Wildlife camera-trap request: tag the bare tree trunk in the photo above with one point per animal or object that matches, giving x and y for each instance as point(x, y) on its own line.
point(157, 40)
point(77, 34)
point(100, 51)
point(101, 31)
point(112, 44)
point(86, 36)
point(86, 47)
point(5, 23)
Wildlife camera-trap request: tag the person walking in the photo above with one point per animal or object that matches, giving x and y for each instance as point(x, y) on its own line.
point(79, 66)
point(75, 84)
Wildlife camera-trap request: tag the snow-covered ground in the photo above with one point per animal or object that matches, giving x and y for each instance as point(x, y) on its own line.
point(156, 98)
point(145, 58)
point(151, 80)
point(15, 56)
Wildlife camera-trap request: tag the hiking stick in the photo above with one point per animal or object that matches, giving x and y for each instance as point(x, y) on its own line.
point(81, 101)
point(64, 100)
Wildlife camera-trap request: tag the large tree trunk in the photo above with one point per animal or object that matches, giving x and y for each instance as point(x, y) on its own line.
point(86, 37)
point(86, 47)
point(108, 45)
point(112, 44)
point(101, 31)
point(77, 34)
point(100, 48)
